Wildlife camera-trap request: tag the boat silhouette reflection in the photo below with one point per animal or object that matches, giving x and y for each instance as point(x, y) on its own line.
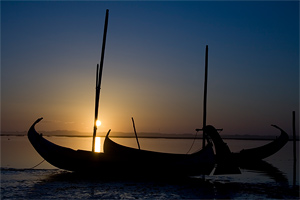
point(265, 168)
point(109, 186)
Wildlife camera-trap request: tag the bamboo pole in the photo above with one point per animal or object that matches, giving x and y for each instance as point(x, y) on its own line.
point(98, 80)
point(294, 149)
point(96, 108)
point(137, 140)
point(205, 94)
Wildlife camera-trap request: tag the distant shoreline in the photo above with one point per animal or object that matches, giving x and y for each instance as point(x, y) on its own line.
point(158, 136)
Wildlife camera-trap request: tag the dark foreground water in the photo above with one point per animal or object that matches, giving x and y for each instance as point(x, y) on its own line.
point(59, 184)
point(272, 179)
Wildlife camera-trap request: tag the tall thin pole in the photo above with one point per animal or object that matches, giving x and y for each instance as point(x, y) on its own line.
point(96, 108)
point(137, 140)
point(98, 79)
point(294, 148)
point(205, 93)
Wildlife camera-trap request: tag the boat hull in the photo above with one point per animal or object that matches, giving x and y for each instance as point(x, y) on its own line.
point(147, 163)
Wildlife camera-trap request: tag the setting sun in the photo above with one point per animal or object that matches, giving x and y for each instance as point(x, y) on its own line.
point(97, 144)
point(98, 123)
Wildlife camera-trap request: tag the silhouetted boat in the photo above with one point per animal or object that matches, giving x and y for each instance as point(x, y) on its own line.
point(121, 159)
point(229, 163)
point(259, 153)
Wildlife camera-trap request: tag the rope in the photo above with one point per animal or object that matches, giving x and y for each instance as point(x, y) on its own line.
point(208, 139)
point(192, 143)
point(37, 165)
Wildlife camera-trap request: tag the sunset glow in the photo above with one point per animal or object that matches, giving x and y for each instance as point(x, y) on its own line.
point(153, 67)
point(97, 144)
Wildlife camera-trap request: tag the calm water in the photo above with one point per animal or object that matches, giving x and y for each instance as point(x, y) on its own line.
point(20, 181)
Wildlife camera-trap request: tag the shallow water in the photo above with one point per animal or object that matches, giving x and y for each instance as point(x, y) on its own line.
point(57, 184)
point(18, 181)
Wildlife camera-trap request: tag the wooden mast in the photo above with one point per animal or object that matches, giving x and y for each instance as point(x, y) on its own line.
point(98, 80)
point(205, 94)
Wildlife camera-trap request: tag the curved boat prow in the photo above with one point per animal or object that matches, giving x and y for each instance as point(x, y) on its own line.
point(32, 128)
point(37, 121)
point(32, 135)
point(264, 151)
point(67, 158)
point(48, 150)
point(107, 133)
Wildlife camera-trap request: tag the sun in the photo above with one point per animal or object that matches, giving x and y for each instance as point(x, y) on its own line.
point(98, 123)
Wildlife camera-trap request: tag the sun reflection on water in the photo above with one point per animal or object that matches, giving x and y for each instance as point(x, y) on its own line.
point(97, 144)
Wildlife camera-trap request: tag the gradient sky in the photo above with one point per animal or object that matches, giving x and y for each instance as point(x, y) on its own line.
point(154, 65)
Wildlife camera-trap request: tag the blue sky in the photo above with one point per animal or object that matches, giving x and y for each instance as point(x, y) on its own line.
point(154, 65)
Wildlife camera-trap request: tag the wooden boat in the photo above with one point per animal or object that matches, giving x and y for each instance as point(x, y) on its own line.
point(119, 159)
point(229, 163)
point(259, 153)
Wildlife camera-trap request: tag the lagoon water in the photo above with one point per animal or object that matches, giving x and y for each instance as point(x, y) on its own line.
point(22, 179)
